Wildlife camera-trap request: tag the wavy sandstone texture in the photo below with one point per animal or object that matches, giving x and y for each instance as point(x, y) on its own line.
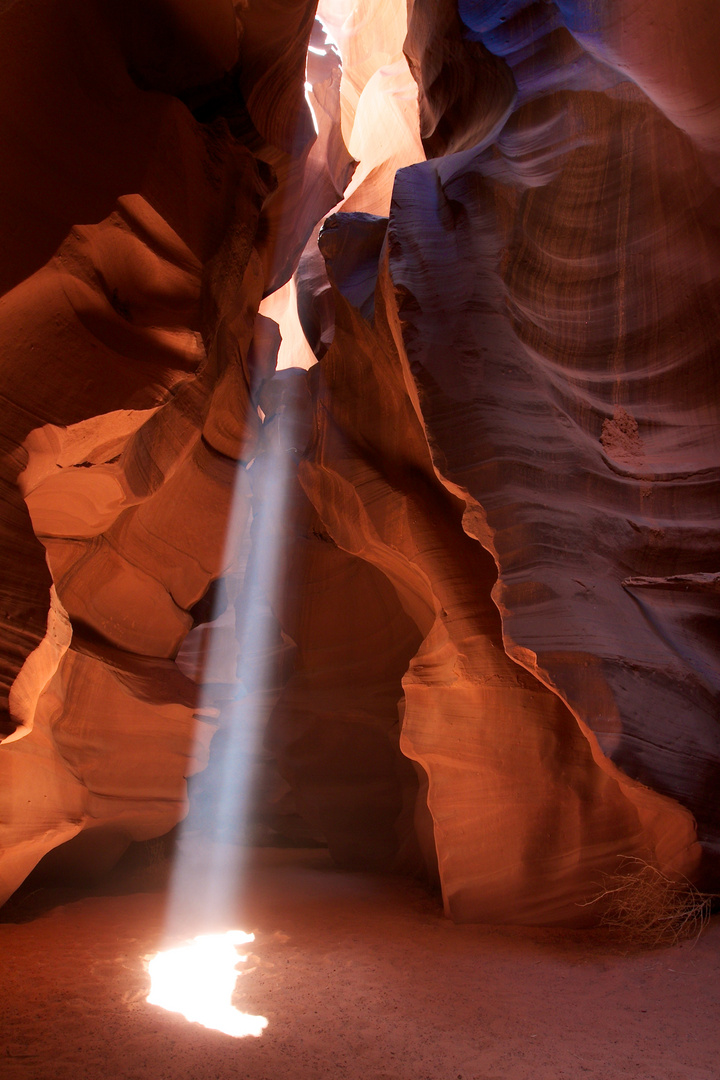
point(485, 647)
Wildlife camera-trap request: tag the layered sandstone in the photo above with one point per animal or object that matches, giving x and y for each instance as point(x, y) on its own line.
point(484, 648)
point(141, 238)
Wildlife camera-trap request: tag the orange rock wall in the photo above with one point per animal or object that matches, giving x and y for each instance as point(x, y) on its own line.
point(491, 648)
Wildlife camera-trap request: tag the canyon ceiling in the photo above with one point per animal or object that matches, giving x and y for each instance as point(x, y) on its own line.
point(483, 255)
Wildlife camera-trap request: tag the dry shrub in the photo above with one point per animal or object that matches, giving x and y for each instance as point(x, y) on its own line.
point(646, 909)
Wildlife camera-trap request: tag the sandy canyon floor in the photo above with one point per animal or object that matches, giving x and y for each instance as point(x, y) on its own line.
point(359, 976)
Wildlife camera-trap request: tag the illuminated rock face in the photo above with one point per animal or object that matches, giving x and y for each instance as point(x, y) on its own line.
point(495, 639)
point(140, 241)
point(560, 334)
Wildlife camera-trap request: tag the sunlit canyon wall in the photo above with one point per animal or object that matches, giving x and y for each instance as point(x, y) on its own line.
point(492, 641)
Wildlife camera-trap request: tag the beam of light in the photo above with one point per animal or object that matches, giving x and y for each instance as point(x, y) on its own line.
point(308, 92)
point(198, 980)
point(209, 860)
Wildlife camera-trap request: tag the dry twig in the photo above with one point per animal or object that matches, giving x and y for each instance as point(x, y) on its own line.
point(648, 909)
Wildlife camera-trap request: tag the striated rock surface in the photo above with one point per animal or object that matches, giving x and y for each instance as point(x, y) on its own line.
point(521, 808)
point(485, 647)
point(569, 399)
point(133, 355)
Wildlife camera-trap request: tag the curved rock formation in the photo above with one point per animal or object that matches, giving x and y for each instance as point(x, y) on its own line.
point(589, 224)
point(549, 357)
point(491, 651)
point(133, 358)
point(521, 807)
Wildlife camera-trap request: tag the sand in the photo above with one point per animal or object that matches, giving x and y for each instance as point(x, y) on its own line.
point(361, 978)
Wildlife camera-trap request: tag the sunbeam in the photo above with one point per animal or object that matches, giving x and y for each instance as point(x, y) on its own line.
point(198, 979)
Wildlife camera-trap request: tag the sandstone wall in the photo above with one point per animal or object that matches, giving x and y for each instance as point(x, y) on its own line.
point(490, 630)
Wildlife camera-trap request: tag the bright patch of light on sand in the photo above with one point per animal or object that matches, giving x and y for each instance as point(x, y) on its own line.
point(198, 979)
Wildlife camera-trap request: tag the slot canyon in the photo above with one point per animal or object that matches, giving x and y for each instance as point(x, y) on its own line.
point(360, 538)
